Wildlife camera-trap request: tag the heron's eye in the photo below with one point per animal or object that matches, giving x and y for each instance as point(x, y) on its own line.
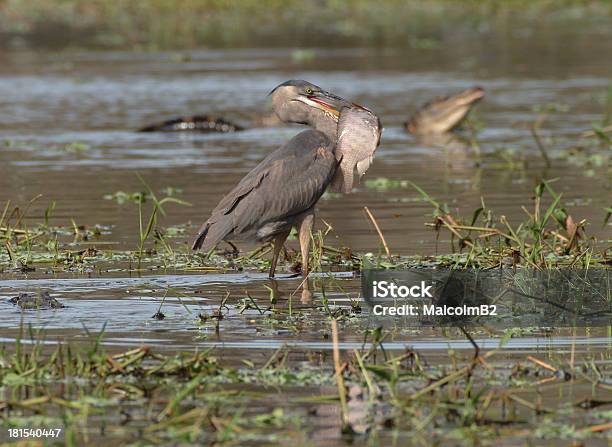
point(309, 91)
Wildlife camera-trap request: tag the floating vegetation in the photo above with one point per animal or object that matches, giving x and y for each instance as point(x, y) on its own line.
point(369, 393)
point(144, 232)
point(549, 237)
point(76, 147)
point(93, 394)
point(384, 184)
point(156, 345)
point(123, 197)
point(512, 159)
point(72, 147)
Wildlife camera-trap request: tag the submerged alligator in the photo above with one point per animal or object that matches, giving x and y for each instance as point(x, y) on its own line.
point(209, 124)
point(439, 116)
point(36, 301)
point(443, 114)
point(195, 123)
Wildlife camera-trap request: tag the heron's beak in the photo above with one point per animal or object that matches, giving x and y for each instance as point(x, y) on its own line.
point(327, 102)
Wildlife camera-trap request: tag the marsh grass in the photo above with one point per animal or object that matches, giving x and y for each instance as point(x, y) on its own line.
point(190, 23)
point(144, 232)
point(547, 235)
point(94, 394)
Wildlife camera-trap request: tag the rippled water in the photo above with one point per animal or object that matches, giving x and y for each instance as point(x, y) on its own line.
point(67, 131)
point(97, 99)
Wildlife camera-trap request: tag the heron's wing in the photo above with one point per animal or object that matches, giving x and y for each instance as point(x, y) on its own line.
point(285, 184)
point(358, 137)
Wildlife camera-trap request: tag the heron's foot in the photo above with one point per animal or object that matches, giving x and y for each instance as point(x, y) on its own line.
point(234, 252)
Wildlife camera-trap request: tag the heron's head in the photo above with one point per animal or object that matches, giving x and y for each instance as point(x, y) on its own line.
point(304, 103)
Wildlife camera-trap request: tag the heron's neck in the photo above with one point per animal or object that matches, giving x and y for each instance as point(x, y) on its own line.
point(324, 123)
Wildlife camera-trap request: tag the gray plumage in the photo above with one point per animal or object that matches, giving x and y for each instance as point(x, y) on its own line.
point(272, 197)
point(281, 192)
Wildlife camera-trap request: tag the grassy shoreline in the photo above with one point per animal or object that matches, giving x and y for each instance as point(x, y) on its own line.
point(143, 397)
point(165, 24)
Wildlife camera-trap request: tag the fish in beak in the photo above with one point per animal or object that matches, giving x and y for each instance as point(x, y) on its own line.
point(359, 132)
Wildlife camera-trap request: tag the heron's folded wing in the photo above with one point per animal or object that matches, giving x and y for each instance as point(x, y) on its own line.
point(286, 183)
point(290, 186)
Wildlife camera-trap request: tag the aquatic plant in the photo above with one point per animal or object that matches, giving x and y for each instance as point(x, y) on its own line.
point(140, 394)
point(547, 234)
point(147, 228)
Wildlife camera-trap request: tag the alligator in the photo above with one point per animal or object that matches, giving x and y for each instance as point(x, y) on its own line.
point(36, 301)
point(443, 114)
point(195, 123)
point(209, 124)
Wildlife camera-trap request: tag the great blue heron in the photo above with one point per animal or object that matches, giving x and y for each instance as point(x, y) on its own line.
point(281, 191)
point(443, 114)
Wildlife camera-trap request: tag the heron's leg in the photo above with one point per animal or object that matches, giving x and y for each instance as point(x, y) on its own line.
point(306, 293)
point(278, 244)
point(276, 294)
point(235, 250)
point(305, 230)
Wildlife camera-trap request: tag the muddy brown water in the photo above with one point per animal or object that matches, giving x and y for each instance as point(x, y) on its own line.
point(49, 101)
